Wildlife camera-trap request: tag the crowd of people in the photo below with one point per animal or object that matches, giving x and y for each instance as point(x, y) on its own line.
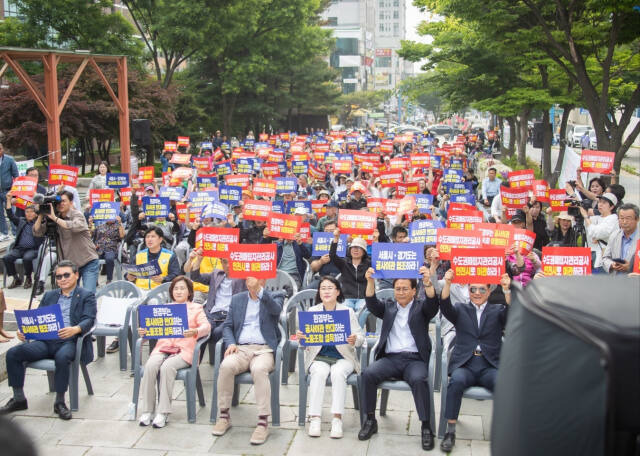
point(383, 169)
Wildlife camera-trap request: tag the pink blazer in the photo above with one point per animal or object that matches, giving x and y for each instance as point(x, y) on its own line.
point(197, 320)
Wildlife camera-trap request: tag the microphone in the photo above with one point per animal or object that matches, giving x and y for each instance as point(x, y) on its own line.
point(38, 198)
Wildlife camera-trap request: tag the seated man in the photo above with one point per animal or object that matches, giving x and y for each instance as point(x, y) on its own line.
point(403, 349)
point(25, 246)
point(78, 312)
point(474, 361)
point(169, 267)
point(251, 336)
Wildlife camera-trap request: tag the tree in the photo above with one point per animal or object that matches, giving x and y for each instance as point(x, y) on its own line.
point(360, 100)
point(423, 91)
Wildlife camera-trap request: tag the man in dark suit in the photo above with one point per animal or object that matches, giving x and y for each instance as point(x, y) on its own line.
point(476, 353)
point(251, 336)
point(78, 312)
point(221, 291)
point(403, 349)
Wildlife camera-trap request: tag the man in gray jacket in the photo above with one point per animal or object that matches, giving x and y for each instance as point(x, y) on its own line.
point(8, 172)
point(621, 247)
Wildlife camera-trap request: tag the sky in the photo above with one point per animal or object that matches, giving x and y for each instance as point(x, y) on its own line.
point(413, 19)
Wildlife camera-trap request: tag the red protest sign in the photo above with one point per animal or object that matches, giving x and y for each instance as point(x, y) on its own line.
point(540, 190)
point(125, 195)
point(390, 178)
point(369, 166)
point(557, 199)
point(284, 226)
point(514, 197)
point(636, 259)
point(420, 160)
point(521, 178)
point(597, 161)
point(183, 141)
point(146, 174)
point(215, 240)
point(264, 187)
point(464, 220)
point(484, 265)
point(495, 234)
point(356, 222)
point(253, 260)
point(449, 238)
point(63, 175)
point(181, 210)
point(400, 163)
point(386, 146)
point(391, 206)
point(376, 204)
point(566, 261)
point(406, 206)
point(270, 169)
point(103, 195)
point(256, 210)
point(238, 180)
point(342, 166)
point(454, 207)
point(170, 146)
point(406, 189)
point(524, 239)
point(318, 206)
point(305, 232)
point(181, 174)
point(21, 202)
point(181, 159)
point(202, 163)
point(24, 186)
point(316, 173)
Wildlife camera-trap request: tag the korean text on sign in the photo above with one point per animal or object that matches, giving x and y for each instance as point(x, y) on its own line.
point(155, 206)
point(324, 328)
point(252, 260)
point(63, 175)
point(42, 323)
point(566, 261)
point(215, 240)
point(356, 222)
point(486, 265)
point(393, 261)
point(164, 320)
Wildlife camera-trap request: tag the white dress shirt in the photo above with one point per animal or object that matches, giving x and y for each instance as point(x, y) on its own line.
point(251, 333)
point(400, 338)
point(223, 296)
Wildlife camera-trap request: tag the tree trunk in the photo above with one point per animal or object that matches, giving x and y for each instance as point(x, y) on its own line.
point(553, 179)
point(510, 149)
point(228, 107)
point(523, 123)
point(547, 135)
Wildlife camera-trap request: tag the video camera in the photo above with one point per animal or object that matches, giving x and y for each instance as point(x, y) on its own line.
point(45, 201)
point(574, 209)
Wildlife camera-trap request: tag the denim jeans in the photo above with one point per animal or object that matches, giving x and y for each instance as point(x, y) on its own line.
point(354, 303)
point(89, 274)
point(109, 263)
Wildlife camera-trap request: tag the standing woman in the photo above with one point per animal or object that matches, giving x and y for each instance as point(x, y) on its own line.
point(339, 361)
point(171, 355)
point(352, 269)
point(99, 181)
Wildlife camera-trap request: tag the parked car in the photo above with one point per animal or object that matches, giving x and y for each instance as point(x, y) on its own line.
point(578, 131)
point(593, 141)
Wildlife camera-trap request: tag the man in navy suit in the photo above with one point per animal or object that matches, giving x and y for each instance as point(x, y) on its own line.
point(403, 349)
point(251, 336)
point(78, 312)
point(476, 353)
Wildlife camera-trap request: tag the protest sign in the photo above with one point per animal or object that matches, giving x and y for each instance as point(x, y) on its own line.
point(24, 165)
point(215, 210)
point(515, 198)
point(21, 202)
point(452, 176)
point(181, 174)
point(540, 190)
point(485, 265)
point(104, 212)
point(325, 327)
point(449, 238)
point(376, 204)
point(180, 159)
point(597, 161)
point(393, 261)
point(356, 222)
point(146, 174)
point(277, 207)
point(201, 199)
point(264, 187)
point(181, 211)
point(299, 167)
point(238, 180)
point(230, 194)
point(202, 163)
point(284, 226)
point(125, 195)
point(557, 199)
point(142, 271)
point(566, 261)
point(316, 173)
point(155, 206)
point(163, 320)
point(391, 207)
point(524, 239)
point(322, 243)
point(24, 186)
point(495, 234)
point(420, 160)
point(406, 205)
point(205, 182)
point(42, 323)
point(636, 259)
point(400, 163)
point(424, 231)
point(223, 168)
point(390, 178)
point(245, 165)
point(252, 260)
point(286, 184)
point(436, 161)
point(256, 210)
point(170, 146)
point(403, 189)
point(100, 195)
point(173, 193)
point(342, 167)
point(183, 141)
point(464, 220)
point(63, 175)
point(458, 188)
point(453, 207)
point(467, 198)
point(215, 241)
point(117, 180)
point(521, 178)
point(291, 206)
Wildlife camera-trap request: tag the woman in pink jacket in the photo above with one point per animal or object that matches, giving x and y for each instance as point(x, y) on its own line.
point(171, 355)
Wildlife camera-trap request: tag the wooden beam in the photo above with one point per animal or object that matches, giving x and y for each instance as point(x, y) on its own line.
point(3, 69)
point(72, 84)
point(106, 84)
point(123, 93)
point(51, 99)
point(31, 87)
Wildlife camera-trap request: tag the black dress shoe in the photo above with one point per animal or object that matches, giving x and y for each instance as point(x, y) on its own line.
point(61, 409)
point(40, 288)
point(427, 439)
point(369, 428)
point(449, 441)
point(15, 283)
point(13, 406)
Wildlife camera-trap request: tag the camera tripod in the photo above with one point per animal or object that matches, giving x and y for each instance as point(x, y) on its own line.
point(52, 247)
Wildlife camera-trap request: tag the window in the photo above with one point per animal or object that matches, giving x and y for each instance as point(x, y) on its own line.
point(10, 8)
point(396, 2)
point(396, 29)
point(381, 4)
point(381, 27)
point(348, 88)
point(396, 14)
point(383, 62)
point(382, 15)
point(332, 21)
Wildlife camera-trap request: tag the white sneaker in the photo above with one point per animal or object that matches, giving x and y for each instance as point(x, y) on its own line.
point(160, 420)
point(145, 419)
point(336, 428)
point(315, 426)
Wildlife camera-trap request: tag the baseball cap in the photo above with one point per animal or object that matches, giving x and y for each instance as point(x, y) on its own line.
point(149, 188)
point(609, 197)
point(359, 242)
point(519, 216)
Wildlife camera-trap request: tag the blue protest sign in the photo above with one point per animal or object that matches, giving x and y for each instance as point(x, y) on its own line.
point(223, 168)
point(201, 199)
point(425, 231)
point(249, 142)
point(154, 206)
point(206, 182)
point(282, 167)
point(436, 161)
point(291, 206)
point(324, 328)
point(397, 261)
point(207, 145)
point(322, 244)
point(299, 167)
point(245, 165)
point(457, 188)
point(424, 203)
point(456, 163)
point(42, 323)
point(173, 193)
point(215, 210)
point(104, 211)
point(117, 180)
point(452, 175)
point(277, 207)
point(142, 271)
point(286, 184)
point(164, 320)
point(468, 198)
point(229, 194)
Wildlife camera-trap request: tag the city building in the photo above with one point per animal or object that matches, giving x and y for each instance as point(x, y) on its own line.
point(8, 8)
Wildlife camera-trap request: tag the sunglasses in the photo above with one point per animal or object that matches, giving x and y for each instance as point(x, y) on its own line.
point(481, 290)
point(66, 275)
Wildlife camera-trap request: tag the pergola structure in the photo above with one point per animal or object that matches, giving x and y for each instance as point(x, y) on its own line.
point(51, 105)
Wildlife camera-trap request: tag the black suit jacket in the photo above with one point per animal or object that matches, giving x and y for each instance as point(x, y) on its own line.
point(83, 314)
point(420, 315)
point(469, 335)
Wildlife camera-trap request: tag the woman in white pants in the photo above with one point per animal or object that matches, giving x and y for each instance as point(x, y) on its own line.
point(339, 361)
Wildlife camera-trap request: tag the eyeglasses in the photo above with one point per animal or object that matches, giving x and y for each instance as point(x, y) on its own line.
point(481, 290)
point(66, 275)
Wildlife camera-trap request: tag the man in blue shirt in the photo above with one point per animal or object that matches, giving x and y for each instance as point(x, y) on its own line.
point(618, 257)
point(490, 187)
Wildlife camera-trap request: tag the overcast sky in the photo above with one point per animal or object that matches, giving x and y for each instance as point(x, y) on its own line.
point(414, 17)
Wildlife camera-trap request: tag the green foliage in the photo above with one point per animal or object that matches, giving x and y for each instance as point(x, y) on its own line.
point(512, 162)
point(368, 100)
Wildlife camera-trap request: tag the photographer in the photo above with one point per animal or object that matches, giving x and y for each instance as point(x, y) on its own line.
point(600, 227)
point(74, 238)
point(562, 232)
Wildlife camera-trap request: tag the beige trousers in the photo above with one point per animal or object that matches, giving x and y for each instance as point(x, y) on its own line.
point(258, 359)
point(167, 367)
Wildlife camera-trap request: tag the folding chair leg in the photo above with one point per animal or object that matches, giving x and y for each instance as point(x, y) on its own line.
point(443, 404)
point(87, 379)
point(236, 395)
point(73, 388)
point(214, 399)
point(101, 342)
point(122, 351)
point(52, 385)
point(384, 398)
point(199, 390)
point(356, 402)
point(285, 362)
point(136, 391)
point(302, 401)
point(275, 399)
point(191, 400)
